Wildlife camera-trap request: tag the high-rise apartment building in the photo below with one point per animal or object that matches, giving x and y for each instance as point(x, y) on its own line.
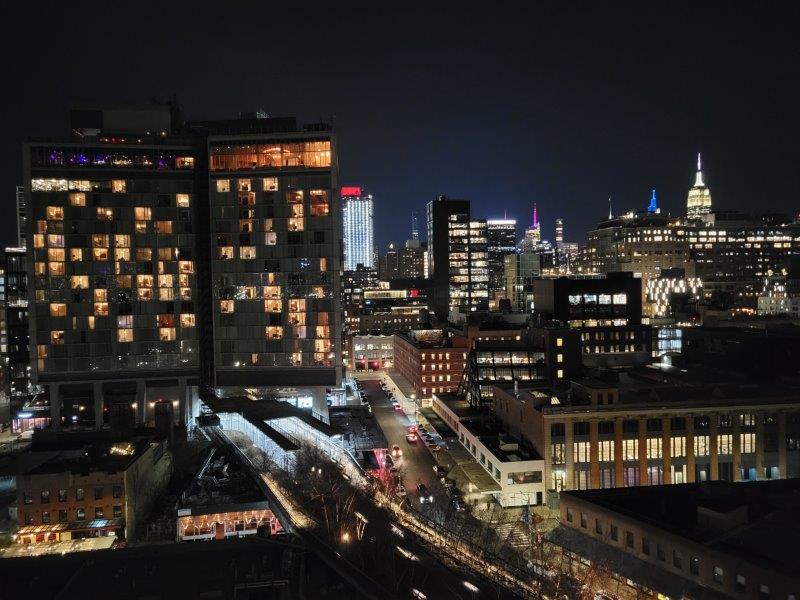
point(207, 249)
point(559, 234)
point(698, 202)
point(272, 212)
point(359, 243)
point(407, 262)
point(112, 291)
point(501, 241)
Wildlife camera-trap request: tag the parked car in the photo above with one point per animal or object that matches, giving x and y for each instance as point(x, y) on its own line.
point(411, 438)
point(459, 505)
point(396, 451)
point(422, 429)
point(412, 429)
point(434, 448)
point(424, 495)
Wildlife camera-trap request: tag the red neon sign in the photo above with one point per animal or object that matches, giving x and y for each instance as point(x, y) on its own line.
point(351, 191)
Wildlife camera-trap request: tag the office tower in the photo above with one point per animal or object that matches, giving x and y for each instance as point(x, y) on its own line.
point(21, 217)
point(112, 266)
point(559, 233)
point(359, 245)
point(698, 202)
point(457, 257)
point(519, 273)
point(273, 213)
point(652, 208)
point(501, 241)
point(533, 234)
point(403, 263)
point(439, 212)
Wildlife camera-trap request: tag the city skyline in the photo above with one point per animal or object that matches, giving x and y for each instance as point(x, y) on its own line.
point(642, 91)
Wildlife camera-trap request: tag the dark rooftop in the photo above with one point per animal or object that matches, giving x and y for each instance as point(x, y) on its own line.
point(766, 531)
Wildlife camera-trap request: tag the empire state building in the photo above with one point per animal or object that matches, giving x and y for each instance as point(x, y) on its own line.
point(698, 202)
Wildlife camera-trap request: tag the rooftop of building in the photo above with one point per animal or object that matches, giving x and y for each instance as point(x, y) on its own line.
point(430, 338)
point(754, 521)
point(505, 447)
point(660, 386)
point(98, 457)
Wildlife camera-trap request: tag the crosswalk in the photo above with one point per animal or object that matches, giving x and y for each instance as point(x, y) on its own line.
point(514, 534)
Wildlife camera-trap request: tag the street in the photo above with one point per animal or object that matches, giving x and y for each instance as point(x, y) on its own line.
point(416, 465)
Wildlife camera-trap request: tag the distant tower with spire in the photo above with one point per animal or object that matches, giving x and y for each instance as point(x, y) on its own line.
point(652, 208)
point(698, 202)
point(534, 232)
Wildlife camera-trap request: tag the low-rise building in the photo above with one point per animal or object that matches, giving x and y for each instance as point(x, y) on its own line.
point(654, 426)
point(100, 490)
point(702, 540)
point(371, 352)
point(515, 466)
point(430, 360)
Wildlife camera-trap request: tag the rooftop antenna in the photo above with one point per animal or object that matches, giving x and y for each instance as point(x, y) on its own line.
point(610, 214)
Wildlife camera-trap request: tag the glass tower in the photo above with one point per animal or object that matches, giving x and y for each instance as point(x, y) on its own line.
point(359, 246)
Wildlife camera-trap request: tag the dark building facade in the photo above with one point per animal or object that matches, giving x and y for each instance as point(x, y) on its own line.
point(607, 312)
point(501, 235)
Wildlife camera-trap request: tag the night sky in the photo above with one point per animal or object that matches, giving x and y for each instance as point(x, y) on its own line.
point(563, 106)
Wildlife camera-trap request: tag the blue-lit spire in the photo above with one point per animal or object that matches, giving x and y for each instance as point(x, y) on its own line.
point(653, 208)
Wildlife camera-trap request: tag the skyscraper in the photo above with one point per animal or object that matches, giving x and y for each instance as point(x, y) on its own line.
point(457, 257)
point(359, 244)
point(698, 202)
point(502, 241)
point(533, 234)
point(559, 233)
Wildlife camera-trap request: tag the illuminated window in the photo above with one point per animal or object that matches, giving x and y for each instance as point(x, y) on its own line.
point(77, 199)
point(678, 446)
point(122, 241)
point(55, 213)
point(100, 241)
point(226, 306)
point(245, 225)
point(630, 449)
point(701, 445)
point(105, 214)
point(163, 227)
point(76, 254)
point(225, 252)
point(141, 226)
point(296, 225)
point(323, 264)
point(55, 240)
point(559, 358)
point(186, 267)
point(101, 309)
point(294, 196)
point(620, 298)
point(99, 253)
point(58, 310)
point(274, 333)
point(244, 185)
point(247, 252)
point(184, 162)
point(725, 443)
point(747, 443)
point(55, 254)
point(559, 342)
point(56, 337)
point(560, 374)
point(247, 198)
point(319, 203)
point(79, 282)
point(142, 213)
point(125, 321)
point(124, 335)
point(270, 238)
point(38, 241)
point(166, 334)
point(118, 186)
point(144, 254)
point(223, 185)
point(270, 184)
point(273, 306)
point(187, 320)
